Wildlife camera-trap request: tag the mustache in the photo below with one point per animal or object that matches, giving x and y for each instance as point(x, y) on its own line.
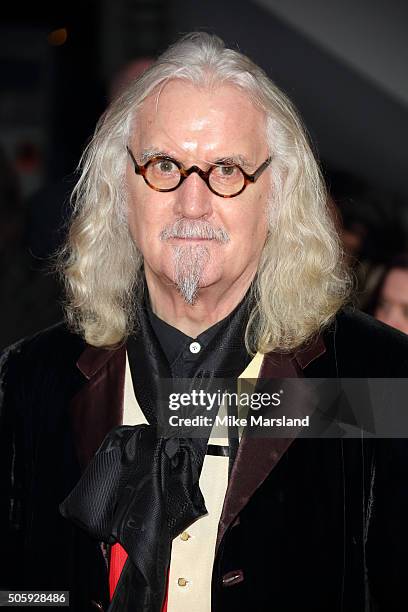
point(185, 228)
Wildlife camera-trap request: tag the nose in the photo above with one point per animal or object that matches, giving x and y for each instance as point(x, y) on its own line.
point(193, 199)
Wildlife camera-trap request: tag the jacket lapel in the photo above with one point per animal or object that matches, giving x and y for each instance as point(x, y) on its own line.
point(256, 456)
point(98, 406)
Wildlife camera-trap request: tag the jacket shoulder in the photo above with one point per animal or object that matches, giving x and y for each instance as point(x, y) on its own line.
point(35, 361)
point(375, 349)
point(45, 344)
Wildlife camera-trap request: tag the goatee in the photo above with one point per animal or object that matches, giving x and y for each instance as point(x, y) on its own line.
point(189, 263)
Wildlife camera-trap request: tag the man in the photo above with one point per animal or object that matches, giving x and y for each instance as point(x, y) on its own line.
point(201, 247)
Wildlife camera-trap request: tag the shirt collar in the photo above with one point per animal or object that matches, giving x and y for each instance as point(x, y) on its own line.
point(173, 341)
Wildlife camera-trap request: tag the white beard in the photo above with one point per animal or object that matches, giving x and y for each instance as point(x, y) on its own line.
point(189, 263)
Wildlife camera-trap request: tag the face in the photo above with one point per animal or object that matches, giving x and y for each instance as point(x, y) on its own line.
point(220, 238)
point(393, 306)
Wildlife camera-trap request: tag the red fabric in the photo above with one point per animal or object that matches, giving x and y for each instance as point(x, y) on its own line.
point(118, 557)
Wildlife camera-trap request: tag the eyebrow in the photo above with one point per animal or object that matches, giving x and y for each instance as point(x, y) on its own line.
point(147, 154)
point(230, 160)
point(234, 159)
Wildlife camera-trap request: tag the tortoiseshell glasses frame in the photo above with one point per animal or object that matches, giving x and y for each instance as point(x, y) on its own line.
point(205, 175)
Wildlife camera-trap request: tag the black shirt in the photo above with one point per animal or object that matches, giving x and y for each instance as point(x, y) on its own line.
point(185, 356)
point(183, 352)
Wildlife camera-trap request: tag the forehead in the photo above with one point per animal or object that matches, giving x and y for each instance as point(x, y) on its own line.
point(201, 122)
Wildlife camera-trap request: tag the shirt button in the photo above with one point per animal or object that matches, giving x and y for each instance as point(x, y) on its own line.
point(195, 347)
point(185, 536)
point(182, 582)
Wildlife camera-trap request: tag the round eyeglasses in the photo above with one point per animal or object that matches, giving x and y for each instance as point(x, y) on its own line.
point(163, 173)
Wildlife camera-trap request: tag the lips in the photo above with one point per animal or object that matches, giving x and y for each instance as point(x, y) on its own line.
point(190, 238)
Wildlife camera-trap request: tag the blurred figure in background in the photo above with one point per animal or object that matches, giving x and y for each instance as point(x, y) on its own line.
point(371, 229)
point(29, 299)
point(11, 212)
point(389, 302)
point(49, 210)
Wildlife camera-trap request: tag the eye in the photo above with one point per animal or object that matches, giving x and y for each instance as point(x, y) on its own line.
point(165, 166)
point(383, 305)
point(226, 172)
point(162, 166)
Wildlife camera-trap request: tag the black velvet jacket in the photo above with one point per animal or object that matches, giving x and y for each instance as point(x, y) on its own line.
point(311, 525)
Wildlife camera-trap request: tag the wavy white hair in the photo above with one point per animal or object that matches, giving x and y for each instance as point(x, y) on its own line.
point(301, 281)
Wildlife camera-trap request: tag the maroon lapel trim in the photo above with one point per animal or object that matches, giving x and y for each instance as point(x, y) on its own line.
point(92, 359)
point(311, 352)
point(98, 406)
point(256, 457)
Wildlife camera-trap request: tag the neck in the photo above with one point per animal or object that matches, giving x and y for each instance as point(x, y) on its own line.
point(213, 304)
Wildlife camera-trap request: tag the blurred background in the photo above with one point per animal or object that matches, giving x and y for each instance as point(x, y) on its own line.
point(343, 63)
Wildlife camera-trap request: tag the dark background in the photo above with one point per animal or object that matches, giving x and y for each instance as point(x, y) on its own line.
point(343, 65)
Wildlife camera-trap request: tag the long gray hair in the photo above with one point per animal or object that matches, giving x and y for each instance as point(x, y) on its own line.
point(301, 280)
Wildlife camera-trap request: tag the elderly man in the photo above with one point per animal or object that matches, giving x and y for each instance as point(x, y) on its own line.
point(201, 246)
